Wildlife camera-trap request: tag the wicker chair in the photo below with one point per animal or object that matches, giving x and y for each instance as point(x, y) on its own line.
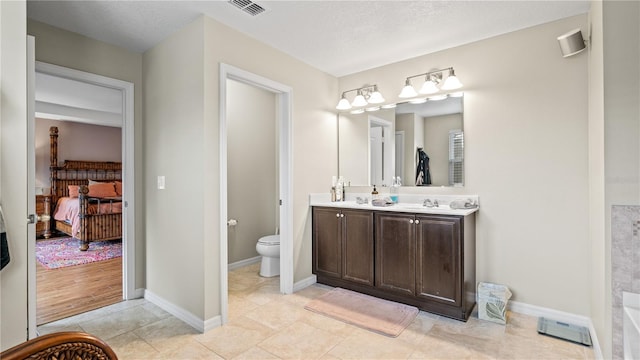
point(61, 346)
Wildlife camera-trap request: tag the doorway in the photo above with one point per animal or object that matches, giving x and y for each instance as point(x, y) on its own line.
point(283, 129)
point(122, 118)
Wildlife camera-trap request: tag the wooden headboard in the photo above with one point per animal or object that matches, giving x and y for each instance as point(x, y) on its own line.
point(74, 172)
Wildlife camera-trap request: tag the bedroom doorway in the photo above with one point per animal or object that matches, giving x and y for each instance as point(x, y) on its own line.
point(104, 105)
point(283, 133)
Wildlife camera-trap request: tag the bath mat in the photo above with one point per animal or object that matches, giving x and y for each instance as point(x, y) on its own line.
point(381, 316)
point(62, 252)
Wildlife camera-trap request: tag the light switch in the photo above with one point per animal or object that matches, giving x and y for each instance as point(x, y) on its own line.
point(160, 182)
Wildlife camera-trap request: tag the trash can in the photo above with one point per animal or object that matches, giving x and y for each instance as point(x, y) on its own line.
point(492, 302)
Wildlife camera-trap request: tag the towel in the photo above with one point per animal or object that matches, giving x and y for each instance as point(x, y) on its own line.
point(4, 244)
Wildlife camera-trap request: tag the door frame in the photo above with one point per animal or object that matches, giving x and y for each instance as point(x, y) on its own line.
point(128, 176)
point(284, 120)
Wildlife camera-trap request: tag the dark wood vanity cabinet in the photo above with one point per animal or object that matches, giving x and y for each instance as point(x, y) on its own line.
point(420, 259)
point(343, 244)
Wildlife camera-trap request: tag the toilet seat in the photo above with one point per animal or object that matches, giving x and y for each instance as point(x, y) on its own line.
point(269, 240)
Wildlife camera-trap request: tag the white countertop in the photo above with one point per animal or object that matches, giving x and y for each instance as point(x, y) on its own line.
point(406, 204)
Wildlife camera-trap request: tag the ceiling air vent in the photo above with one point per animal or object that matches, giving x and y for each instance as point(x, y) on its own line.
point(248, 6)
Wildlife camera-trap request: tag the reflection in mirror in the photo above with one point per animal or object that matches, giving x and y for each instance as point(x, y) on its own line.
point(374, 147)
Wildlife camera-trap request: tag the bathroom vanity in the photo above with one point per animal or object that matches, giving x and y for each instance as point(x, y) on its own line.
point(406, 253)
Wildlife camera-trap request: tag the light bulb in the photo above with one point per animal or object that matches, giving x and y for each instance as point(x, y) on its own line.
point(429, 87)
point(343, 104)
point(376, 97)
point(452, 82)
point(359, 100)
point(408, 91)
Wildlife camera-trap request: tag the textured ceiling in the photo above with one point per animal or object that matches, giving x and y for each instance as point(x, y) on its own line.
point(338, 37)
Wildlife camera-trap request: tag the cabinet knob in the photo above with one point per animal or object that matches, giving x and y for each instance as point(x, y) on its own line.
point(337, 215)
point(417, 222)
point(341, 215)
point(411, 221)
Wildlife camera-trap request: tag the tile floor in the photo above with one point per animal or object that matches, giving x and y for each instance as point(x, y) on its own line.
point(266, 325)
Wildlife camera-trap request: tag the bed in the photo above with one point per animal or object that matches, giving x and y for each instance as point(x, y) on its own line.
point(85, 206)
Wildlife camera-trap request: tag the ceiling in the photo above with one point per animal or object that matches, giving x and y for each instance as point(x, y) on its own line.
point(337, 37)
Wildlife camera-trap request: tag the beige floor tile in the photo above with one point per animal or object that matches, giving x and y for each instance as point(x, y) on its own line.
point(264, 324)
point(364, 344)
point(300, 341)
point(416, 332)
point(192, 350)
point(234, 338)
point(276, 314)
point(119, 322)
point(129, 346)
point(167, 334)
point(256, 353)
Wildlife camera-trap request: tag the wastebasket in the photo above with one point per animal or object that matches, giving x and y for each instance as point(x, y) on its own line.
point(492, 302)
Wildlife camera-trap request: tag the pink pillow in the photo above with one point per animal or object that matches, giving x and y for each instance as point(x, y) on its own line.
point(101, 190)
point(119, 188)
point(74, 191)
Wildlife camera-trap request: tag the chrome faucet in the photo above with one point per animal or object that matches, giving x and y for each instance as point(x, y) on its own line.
point(435, 203)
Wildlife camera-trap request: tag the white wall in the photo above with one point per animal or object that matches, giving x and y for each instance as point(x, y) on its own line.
point(252, 164)
point(13, 170)
point(76, 141)
point(174, 140)
point(526, 157)
point(182, 130)
point(64, 48)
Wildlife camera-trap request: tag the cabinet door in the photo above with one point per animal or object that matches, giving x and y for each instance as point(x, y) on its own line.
point(327, 242)
point(357, 246)
point(439, 259)
point(395, 253)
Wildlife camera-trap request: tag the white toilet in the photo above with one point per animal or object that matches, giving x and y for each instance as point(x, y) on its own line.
point(269, 248)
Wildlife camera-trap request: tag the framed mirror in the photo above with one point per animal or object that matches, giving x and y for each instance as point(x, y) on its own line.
point(375, 147)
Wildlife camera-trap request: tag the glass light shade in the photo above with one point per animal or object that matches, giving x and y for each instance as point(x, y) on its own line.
point(408, 91)
point(451, 83)
point(343, 104)
point(376, 98)
point(429, 87)
point(359, 100)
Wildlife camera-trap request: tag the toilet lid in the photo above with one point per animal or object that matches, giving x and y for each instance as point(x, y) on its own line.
point(270, 240)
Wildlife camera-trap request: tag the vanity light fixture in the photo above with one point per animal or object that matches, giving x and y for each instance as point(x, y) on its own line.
point(432, 83)
point(365, 95)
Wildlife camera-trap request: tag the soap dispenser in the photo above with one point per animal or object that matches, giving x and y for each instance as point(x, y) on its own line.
point(374, 193)
point(394, 189)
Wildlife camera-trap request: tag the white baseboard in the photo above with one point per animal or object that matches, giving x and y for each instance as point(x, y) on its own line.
point(304, 283)
point(245, 262)
point(538, 311)
point(182, 314)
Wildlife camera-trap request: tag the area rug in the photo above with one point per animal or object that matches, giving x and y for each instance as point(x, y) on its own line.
point(381, 316)
point(62, 252)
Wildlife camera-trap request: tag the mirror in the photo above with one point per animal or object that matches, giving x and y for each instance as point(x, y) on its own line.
point(376, 146)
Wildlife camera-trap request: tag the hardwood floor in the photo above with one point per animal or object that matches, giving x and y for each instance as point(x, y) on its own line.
point(76, 289)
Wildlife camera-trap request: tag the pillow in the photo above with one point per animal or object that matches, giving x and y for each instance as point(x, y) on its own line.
point(119, 188)
point(93, 182)
point(74, 191)
point(102, 190)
